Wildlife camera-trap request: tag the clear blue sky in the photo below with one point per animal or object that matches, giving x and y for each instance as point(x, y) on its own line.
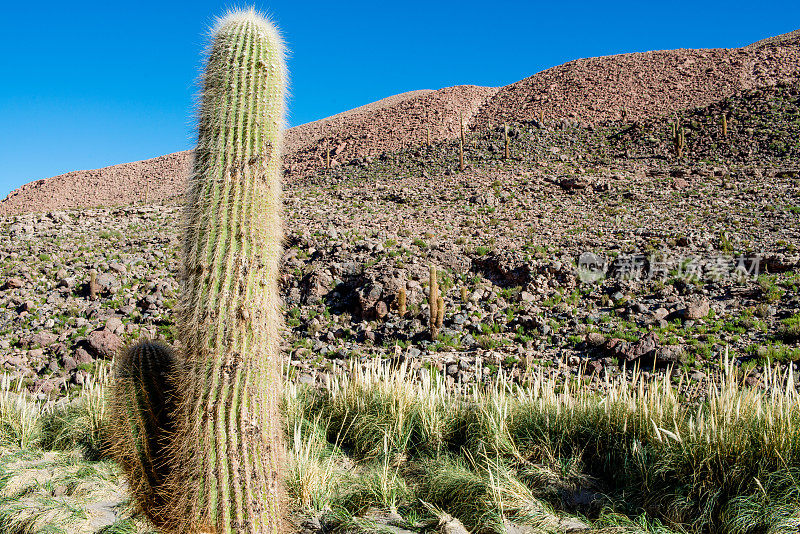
point(90, 84)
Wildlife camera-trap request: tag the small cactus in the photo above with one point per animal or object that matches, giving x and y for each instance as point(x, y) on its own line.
point(461, 155)
point(724, 125)
point(505, 136)
point(433, 303)
point(461, 143)
point(94, 287)
point(142, 405)
point(401, 302)
point(464, 296)
point(678, 138)
point(439, 314)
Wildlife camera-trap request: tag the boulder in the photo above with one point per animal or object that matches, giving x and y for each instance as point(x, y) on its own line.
point(696, 310)
point(104, 343)
point(43, 339)
point(13, 283)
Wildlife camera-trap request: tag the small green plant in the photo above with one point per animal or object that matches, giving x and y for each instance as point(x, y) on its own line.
point(790, 328)
point(419, 243)
point(770, 291)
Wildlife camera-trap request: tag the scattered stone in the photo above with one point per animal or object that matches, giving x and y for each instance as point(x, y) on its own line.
point(669, 354)
point(69, 363)
point(82, 356)
point(13, 283)
point(43, 339)
point(107, 283)
point(114, 324)
point(570, 525)
point(595, 339)
point(104, 343)
point(696, 310)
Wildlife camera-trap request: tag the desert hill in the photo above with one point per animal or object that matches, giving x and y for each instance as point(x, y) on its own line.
point(645, 85)
point(586, 91)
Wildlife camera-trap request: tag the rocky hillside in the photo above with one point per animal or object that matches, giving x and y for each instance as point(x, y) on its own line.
point(757, 126)
point(575, 255)
point(644, 85)
point(586, 91)
point(386, 125)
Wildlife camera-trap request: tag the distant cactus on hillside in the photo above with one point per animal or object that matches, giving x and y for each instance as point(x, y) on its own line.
point(433, 302)
point(401, 302)
point(461, 142)
point(678, 138)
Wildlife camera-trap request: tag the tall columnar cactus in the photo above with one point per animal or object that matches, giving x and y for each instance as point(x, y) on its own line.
point(221, 463)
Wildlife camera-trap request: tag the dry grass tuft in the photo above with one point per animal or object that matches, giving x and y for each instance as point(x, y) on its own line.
point(379, 444)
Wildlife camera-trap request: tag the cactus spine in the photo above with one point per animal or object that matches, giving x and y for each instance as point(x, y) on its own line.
point(222, 461)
